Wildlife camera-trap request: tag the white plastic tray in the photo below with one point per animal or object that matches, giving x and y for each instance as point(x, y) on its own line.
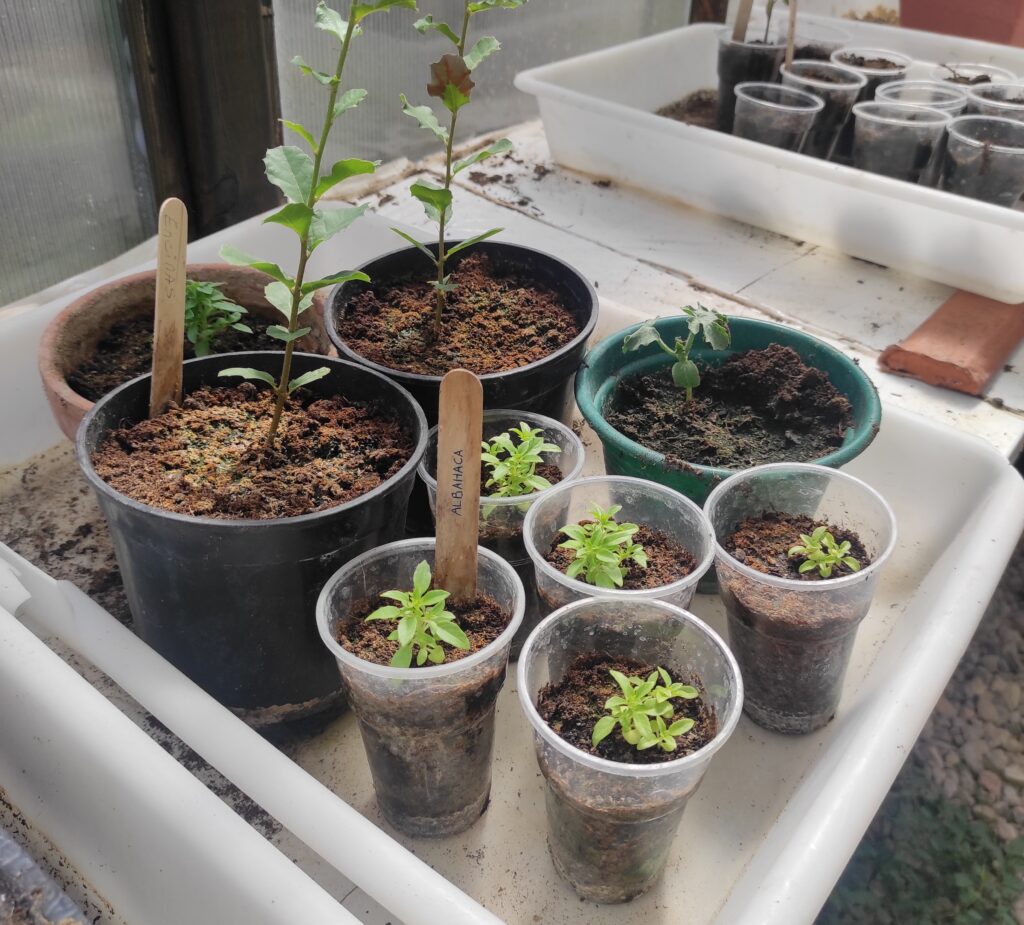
point(598, 111)
point(765, 838)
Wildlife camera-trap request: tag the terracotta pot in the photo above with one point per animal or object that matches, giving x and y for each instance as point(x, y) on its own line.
point(73, 335)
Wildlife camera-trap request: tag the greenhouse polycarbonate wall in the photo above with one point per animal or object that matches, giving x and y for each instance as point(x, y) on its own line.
point(74, 188)
point(392, 58)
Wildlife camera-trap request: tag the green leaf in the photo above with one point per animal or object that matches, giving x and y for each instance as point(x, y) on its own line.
point(280, 296)
point(235, 257)
point(307, 378)
point(327, 223)
point(503, 146)
point(602, 729)
point(680, 727)
point(436, 200)
point(361, 10)
point(406, 629)
point(421, 578)
point(453, 98)
point(342, 170)
point(325, 79)
point(408, 237)
point(330, 21)
point(402, 658)
point(428, 22)
point(245, 372)
point(295, 215)
point(426, 118)
point(302, 132)
point(479, 6)
point(483, 47)
point(643, 336)
point(685, 374)
point(452, 634)
point(282, 334)
point(348, 100)
point(343, 276)
point(476, 239)
point(383, 613)
point(291, 170)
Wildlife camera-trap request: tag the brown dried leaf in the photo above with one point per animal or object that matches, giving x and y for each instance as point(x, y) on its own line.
point(451, 69)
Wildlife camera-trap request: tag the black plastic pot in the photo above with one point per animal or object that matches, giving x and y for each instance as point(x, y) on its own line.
point(544, 387)
point(232, 603)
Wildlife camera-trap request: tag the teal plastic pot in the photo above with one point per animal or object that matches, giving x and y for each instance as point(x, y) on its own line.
point(605, 364)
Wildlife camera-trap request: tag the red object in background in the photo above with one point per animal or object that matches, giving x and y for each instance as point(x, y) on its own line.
point(989, 20)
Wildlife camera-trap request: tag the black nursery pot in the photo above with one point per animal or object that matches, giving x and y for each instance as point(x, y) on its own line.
point(544, 387)
point(232, 603)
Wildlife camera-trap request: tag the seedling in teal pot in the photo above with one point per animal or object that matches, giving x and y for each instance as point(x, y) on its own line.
point(703, 322)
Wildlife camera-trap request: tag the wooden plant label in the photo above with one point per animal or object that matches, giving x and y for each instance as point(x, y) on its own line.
point(169, 317)
point(791, 33)
point(739, 28)
point(459, 433)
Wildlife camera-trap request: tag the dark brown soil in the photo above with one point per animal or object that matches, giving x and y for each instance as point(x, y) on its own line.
point(573, 705)
point(494, 322)
point(763, 543)
point(126, 352)
point(759, 406)
point(874, 64)
point(481, 619)
point(667, 561)
point(824, 76)
point(207, 457)
point(699, 108)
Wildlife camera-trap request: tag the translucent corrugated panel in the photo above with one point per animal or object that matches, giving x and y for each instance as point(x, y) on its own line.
point(74, 188)
point(392, 58)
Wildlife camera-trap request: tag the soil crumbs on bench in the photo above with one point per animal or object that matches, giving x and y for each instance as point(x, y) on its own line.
point(759, 406)
point(698, 108)
point(126, 352)
point(667, 561)
point(493, 322)
point(763, 543)
point(573, 705)
point(481, 619)
point(207, 457)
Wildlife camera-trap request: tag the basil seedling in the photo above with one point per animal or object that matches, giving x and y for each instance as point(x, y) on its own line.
point(821, 551)
point(644, 712)
point(602, 547)
point(208, 314)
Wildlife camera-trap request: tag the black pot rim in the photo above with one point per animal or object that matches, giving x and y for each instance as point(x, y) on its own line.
point(99, 485)
point(330, 317)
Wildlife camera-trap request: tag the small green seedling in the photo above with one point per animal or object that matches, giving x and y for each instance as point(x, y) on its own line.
point(208, 314)
point(423, 623)
point(451, 82)
point(710, 324)
point(304, 180)
point(601, 547)
point(821, 551)
point(644, 712)
point(513, 465)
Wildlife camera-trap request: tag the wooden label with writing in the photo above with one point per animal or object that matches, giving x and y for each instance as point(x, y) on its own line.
point(169, 315)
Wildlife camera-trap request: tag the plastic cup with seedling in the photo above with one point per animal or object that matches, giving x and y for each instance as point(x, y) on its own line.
point(820, 551)
point(602, 547)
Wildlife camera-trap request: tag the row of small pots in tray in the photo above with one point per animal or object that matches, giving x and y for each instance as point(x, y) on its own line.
point(232, 602)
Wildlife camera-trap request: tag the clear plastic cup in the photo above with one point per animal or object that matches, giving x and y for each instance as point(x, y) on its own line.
point(875, 75)
point(985, 159)
point(501, 519)
point(931, 93)
point(963, 73)
point(837, 86)
point(775, 115)
point(428, 732)
point(610, 825)
point(647, 504)
point(793, 638)
point(755, 59)
point(999, 99)
point(899, 141)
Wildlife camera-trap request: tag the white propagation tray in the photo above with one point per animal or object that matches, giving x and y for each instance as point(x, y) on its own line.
point(761, 843)
point(598, 111)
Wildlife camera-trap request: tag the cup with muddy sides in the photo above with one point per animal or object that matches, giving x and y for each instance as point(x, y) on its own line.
point(985, 159)
point(775, 115)
point(966, 74)
point(613, 810)
point(756, 58)
point(428, 730)
point(792, 631)
point(899, 141)
point(997, 99)
point(878, 66)
point(815, 41)
point(838, 88)
point(932, 94)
